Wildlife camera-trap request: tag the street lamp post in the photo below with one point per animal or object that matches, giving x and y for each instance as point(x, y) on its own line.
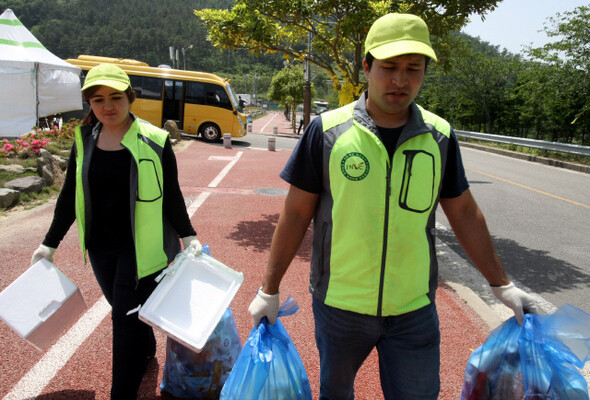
point(246, 84)
point(184, 50)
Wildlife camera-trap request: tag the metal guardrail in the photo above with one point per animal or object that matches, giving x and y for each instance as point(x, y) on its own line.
point(538, 144)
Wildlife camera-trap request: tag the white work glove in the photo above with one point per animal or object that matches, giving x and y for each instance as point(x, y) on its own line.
point(264, 305)
point(191, 241)
point(520, 302)
point(43, 252)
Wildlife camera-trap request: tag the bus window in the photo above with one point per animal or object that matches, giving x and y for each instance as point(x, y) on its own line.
point(146, 87)
point(195, 93)
point(216, 96)
point(207, 94)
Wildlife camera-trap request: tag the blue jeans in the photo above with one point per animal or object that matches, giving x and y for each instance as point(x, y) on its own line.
point(408, 346)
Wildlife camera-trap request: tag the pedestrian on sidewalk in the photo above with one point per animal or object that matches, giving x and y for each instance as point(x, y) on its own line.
point(370, 175)
point(122, 189)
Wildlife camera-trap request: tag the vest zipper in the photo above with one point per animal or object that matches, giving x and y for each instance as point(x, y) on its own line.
point(385, 236)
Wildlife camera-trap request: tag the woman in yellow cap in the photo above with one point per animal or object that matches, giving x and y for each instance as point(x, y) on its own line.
point(122, 189)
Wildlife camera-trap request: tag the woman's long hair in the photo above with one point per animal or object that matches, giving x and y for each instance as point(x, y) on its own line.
point(90, 118)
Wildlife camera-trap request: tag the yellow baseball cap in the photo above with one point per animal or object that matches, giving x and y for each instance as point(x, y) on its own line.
point(107, 75)
point(396, 34)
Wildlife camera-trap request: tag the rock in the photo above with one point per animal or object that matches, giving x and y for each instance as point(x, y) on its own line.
point(8, 197)
point(172, 128)
point(28, 184)
point(62, 162)
point(49, 168)
point(14, 168)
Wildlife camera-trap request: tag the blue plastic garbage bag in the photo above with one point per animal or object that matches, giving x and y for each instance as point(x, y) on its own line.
point(269, 367)
point(537, 360)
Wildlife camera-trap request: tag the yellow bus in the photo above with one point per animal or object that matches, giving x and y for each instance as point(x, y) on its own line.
point(200, 103)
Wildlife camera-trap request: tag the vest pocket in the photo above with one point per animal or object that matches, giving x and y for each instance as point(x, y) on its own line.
point(148, 185)
point(417, 190)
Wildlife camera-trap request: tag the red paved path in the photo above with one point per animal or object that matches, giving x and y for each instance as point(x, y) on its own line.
point(237, 222)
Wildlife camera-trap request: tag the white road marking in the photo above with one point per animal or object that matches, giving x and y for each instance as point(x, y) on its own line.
point(269, 121)
point(197, 203)
point(225, 171)
point(39, 376)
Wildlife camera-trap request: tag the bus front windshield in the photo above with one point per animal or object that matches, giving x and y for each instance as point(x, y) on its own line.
point(233, 97)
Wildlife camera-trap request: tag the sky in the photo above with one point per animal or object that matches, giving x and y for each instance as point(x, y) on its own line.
point(515, 23)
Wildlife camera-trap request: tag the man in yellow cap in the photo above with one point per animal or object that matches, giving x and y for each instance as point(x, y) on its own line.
point(370, 175)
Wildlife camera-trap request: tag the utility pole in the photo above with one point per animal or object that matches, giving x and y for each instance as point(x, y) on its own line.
point(256, 89)
point(172, 52)
point(246, 87)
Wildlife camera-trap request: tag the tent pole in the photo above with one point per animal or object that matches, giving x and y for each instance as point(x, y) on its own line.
point(37, 93)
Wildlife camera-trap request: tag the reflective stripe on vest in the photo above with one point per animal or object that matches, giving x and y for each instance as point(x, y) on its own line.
point(377, 254)
point(146, 146)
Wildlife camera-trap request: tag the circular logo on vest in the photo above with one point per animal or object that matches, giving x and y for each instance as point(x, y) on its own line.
point(355, 166)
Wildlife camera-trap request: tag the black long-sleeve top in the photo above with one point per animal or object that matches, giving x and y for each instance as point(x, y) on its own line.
point(109, 186)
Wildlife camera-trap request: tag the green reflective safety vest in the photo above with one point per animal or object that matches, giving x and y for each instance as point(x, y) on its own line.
point(156, 243)
point(374, 246)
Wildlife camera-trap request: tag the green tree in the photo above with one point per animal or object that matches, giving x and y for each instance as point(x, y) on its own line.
point(486, 79)
point(570, 57)
point(474, 89)
point(287, 88)
point(334, 30)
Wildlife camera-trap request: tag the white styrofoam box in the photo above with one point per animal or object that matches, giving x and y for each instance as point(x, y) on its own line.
point(41, 303)
point(191, 299)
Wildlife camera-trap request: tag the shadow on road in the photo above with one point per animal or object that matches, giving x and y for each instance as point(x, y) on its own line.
point(257, 235)
point(535, 268)
point(68, 394)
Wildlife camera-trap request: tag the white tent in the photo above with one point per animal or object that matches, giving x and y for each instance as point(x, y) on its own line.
point(34, 83)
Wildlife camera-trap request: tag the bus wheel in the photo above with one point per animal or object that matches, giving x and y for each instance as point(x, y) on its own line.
point(211, 133)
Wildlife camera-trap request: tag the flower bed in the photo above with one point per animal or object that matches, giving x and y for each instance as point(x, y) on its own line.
point(31, 143)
